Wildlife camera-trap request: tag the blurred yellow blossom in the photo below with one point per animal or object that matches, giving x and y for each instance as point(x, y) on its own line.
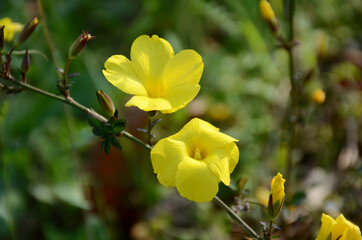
point(159, 79)
point(319, 96)
point(195, 160)
point(11, 28)
point(340, 229)
point(262, 194)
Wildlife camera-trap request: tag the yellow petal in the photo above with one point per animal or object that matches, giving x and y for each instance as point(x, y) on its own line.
point(206, 133)
point(166, 156)
point(11, 28)
point(150, 56)
point(195, 181)
point(148, 104)
point(184, 68)
point(277, 188)
point(326, 228)
point(219, 161)
point(345, 229)
point(181, 96)
point(119, 72)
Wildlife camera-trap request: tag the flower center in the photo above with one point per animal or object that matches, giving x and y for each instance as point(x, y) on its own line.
point(197, 154)
point(155, 90)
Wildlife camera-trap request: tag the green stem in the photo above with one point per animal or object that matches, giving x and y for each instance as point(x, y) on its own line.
point(65, 74)
point(293, 114)
point(9, 221)
point(149, 135)
point(47, 35)
point(270, 233)
point(234, 216)
point(75, 104)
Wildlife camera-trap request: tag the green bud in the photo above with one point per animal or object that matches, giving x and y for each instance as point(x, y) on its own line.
point(106, 103)
point(25, 65)
point(79, 44)
point(2, 38)
point(27, 31)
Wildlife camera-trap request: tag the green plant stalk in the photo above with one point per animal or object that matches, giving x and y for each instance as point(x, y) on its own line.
point(81, 107)
point(47, 35)
point(10, 221)
point(149, 127)
point(65, 74)
point(270, 229)
point(234, 216)
point(294, 93)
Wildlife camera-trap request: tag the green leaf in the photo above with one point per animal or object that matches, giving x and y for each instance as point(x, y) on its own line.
point(93, 122)
point(107, 144)
point(116, 143)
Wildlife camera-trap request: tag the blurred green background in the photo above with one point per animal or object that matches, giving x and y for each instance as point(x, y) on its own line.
point(57, 184)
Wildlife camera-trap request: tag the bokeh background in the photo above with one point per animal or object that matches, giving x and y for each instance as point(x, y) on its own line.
point(56, 183)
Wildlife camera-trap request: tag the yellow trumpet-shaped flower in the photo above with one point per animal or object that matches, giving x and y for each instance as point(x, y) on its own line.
point(277, 188)
point(340, 229)
point(195, 160)
point(11, 28)
point(158, 79)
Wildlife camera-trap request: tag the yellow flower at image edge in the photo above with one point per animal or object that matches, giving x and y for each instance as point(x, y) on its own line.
point(11, 28)
point(277, 189)
point(195, 160)
point(340, 229)
point(158, 79)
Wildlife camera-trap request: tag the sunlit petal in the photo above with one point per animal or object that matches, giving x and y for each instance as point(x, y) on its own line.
point(165, 157)
point(119, 72)
point(195, 181)
point(149, 104)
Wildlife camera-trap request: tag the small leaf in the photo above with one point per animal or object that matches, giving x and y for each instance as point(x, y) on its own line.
point(73, 75)
point(93, 122)
point(98, 132)
point(142, 130)
point(155, 122)
point(107, 144)
point(118, 126)
point(276, 236)
point(116, 143)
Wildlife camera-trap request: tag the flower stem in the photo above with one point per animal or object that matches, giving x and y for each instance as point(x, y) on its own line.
point(81, 107)
point(270, 232)
point(234, 216)
point(294, 93)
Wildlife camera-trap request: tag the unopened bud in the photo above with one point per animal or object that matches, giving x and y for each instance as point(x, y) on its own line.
point(2, 38)
point(79, 44)
point(269, 16)
point(106, 103)
point(25, 65)
point(27, 31)
point(319, 96)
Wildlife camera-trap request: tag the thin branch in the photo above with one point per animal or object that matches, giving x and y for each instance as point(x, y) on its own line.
point(234, 216)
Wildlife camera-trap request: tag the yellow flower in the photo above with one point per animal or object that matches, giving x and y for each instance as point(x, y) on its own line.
point(340, 229)
point(266, 10)
point(195, 160)
point(10, 28)
point(319, 96)
point(159, 79)
point(277, 188)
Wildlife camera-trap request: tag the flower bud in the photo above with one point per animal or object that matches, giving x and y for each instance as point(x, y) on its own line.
point(269, 16)
point(25, 65)
point(27, 31)
point(79, 44)
point(106, 103)
point(2, 38)
point(319, 96)
point(276, 198)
